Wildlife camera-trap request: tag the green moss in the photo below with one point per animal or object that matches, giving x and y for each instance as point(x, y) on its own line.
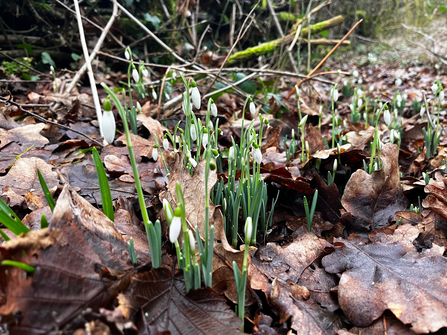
point(14, 68)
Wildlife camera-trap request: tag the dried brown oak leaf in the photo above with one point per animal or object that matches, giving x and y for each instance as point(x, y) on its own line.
point(158, 299)
point(390, 274)
point(72, 272)
point(373, 198)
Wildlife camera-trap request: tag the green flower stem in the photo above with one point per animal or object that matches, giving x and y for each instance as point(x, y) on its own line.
point(46, 191)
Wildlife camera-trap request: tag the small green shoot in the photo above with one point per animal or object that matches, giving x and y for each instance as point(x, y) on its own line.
point(43, 222)
point(23, 266)
point(310, 214)
point(10, 220)
point(46, 191)
point(104, 188)
point(132, 252)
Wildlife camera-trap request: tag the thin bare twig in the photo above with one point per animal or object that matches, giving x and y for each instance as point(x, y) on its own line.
point(38, 117)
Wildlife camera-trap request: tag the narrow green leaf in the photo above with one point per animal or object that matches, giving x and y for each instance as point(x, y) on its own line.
point(10, 220)
point(43, 222)
point(106, 196)
point(46, 191)
point(5, 237)
point(23, 266)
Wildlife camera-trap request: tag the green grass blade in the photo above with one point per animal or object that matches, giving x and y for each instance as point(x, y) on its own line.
point(5, 237)
point(46, 191)
point(43, 222)
point(23, 266)
point(10, 220)
point(106, 196)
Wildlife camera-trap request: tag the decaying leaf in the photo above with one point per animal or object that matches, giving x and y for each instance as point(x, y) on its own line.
point(373, 199)
point(390, 274)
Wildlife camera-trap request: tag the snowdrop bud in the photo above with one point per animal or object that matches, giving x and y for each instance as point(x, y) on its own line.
point(398, 82)
point(434, 88)
point(210, 125)
point(293, 133)
point(355, 73)
point(338, 149)
point(165, 144)
point(224, 205)
point(192, 241)
point(231, 153)
point(51, 69)
point(421, 112)
point(135, 75)
point(437, 66)
point(360, 103)
point(155, 153)
point(213, 109)
point(345, 82)
point(193, 132)
point(257, 155)
point(252, 108)
point(174, 75)
point(404, 96)
point(441, 96)
point(345, 124)
point(306, 146)
point(205, 140)
point(168, 211)
point(195, 96)
point(399, 97)
point(108, 125)
point(248, 230)
point(351, 107)
point(126, 54)
point(320, 112)
point(360, 81)
point(396, 113)
point(371, 88)
point(139, 107)
point(154, 94)
point(193, 162)
point(335, 166)
point(359, 92)
point(365, 116)
point(334, 94)
point(392, 136)
point(387, 117)
point(380, 104)
point(167, 97)
point(176, 225)
point(303, 122)
point(145, 72)
point(376, 166)
point(399, 102)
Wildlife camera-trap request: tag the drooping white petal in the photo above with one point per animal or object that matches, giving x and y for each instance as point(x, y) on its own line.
point(145, 72)
point(360, 103)
point(441, 96)
point(192, 241)
point(193, 162)
point(421, 112)
point(334, 94)
point(165, 144)
point(205, 140)
point(213, 109)
point(154, 95)
point(398, 82)
point(231, 153)
point(434, 88)
point(195, 97)
point(126, 54)
point(355, 73)
point(193, 132)
point(135, 75)
point(168, 210)
point(387, 117)
point(108, 126)
point(257, 155)
point(248, 229)
point(252, 108)
point(174, 229)
point(155, 154)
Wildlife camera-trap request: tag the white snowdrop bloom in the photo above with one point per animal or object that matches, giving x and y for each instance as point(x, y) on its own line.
point(398, 82)
point(168, 210)
point(257, 155)
point(335, 166)
point(51, 69)
point(371, 88)
point(396, 113)
point(126, 54)
point(195, 97)
point(398, 97)
point(210, 125)
point(224, 205)
point(365, 116)
point(404, 96)
point(293, 134)
point(248, 229)
point(167, 97)
point(193, 132)
point(434, 88)
point(360, 103)
point(345, 82)
point(165, 144)
point(392, 136)
point(192, 241)
point(306, 146)
point(320, 112)
point(145, 72)
point(399, 102)
point(155, 153)
point(192, 161)
point(359, 92)
point(174, 229)
point(380, 104)
point(345, 124)
point(334, 94)
point(174, 75)
point(387, 117)
point(355, 73)
point(421, 112)
point(154, 94)
point(252, 108)
point(213, 109)
point(139, 109)
point(303, 121)
point(205, 140)
point(360, 81)
point(437, 66)
point(108, 126)
point(441, 96)
point(135, 75)
point(231, 153)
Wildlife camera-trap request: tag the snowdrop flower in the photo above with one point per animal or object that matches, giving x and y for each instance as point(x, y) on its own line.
point(396, 113)
point(365, 116)
point(165, 144)
point(168, 210)
point(252, 107)
point(334, 94)
point(306, 146)
point(193, 132)
point(387, 117)
point(345, 82)
point(210, 125)
point(145, 72)
point(154, 94)
point(335, 166)
point(213, 109)
point(345, 124)
point(192, 241)
point(248, 230)
point(174, 75)
point(292, 136)
point(176, 225)
point(155, 153)
point(195, 96)
point(380, 104)
point(108, 122)
point(139, 107)
point(404, 96)
point(434, 88)
point(359, 92)
point(421, 112)
point(231, 153)
point(398, 82)
point(351, 107)
point(257, 155)
point(205, 140)
point(360, 81)
point(441, 96)
point(192, 161)
point(303, 121)
point(135, 75)
point(320, 112)
point(51, 69)
point(360, 102)
point(355, 73)
point(167, 97)
point(224, 205)
point(126, 54)
point(437, 66)
point(392, 136)
point(371, 88)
